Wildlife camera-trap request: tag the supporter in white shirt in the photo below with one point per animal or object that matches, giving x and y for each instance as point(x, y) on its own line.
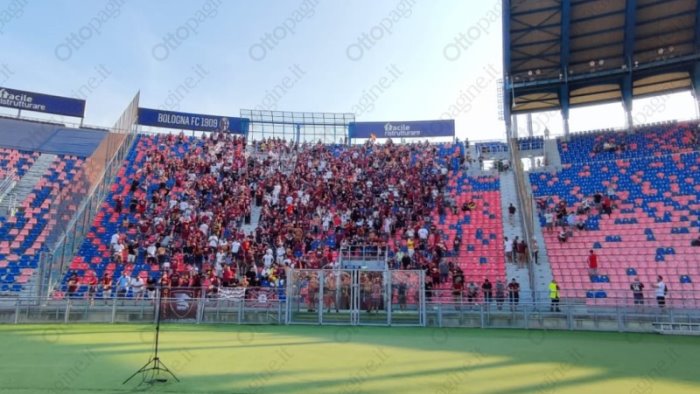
point(267, 260)
point(387, 225)
point(423, 233)
point(235, 246)
point(509, 248)
point(151, 250)
point(115, 239)
point(549, 219)
point(118, 248)
point(137, 286)
point(280, 253)
point(213, 241)
point(220, 257)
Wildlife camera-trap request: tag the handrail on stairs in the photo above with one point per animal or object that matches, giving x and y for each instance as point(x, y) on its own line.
point(526, 204)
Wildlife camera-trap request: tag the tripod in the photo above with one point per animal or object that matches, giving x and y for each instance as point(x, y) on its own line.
point(151, 371)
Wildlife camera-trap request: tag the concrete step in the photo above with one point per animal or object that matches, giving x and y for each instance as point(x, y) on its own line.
point(551, 151)
point(254, 219)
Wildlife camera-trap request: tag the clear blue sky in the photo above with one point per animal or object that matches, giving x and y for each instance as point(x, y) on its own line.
point(384, 60)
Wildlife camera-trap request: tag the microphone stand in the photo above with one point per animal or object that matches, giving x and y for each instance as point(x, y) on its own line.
point(152, 370)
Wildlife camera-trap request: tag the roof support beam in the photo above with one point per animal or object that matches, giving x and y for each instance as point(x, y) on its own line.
point(697, 26)
point(564, 52)
point(695, 72)
point(507, 92)
point(628, 53)
point(578, 20)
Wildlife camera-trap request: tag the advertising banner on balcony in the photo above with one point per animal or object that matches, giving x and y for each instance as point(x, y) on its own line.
point(37, 102)
point(400, 129)
point(188, 121)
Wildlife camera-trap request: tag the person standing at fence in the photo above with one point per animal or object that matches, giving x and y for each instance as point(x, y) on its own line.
point(91, 282)
point(637, 288)
point(500, 294)
point(471, 293)
point(312, 295)
point(151, 287)
point(428, 288)
point(487, 289)
point(376, 295)
point(345, 291)
point(73, 286)
point(444, 269)
point(661, 291)
point(554, 296)
point(329, 292)
point(106, 284)
point(513, 293)
point(138, 287)
point(457, 286)
point(123, 285)
point(401, 294)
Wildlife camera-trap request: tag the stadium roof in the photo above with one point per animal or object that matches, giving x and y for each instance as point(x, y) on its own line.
point(561, 53)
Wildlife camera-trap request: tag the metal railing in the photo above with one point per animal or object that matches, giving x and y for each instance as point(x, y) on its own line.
point(130, 310)
point(570, 314)
point(7, 184)
point(526, 205)
point(688, 300)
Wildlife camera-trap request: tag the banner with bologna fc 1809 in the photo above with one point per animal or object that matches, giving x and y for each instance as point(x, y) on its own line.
point(188, 121)
point(409, 129)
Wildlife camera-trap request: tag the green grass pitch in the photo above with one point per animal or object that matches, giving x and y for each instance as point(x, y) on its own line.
point(312, 359)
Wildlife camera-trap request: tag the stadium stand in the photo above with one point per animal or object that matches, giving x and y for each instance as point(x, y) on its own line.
point(404, 200)
point(649, 180)
point(166, 182)
point(15, 163)
point(22, 235)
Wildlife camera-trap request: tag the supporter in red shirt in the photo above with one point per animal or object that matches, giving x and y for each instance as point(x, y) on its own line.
point(592, 263)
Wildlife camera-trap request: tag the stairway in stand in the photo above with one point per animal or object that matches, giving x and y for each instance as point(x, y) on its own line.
point(26, 184)
point(511, 229)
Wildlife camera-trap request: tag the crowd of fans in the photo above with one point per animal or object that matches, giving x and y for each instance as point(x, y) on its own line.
point(183, 214)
